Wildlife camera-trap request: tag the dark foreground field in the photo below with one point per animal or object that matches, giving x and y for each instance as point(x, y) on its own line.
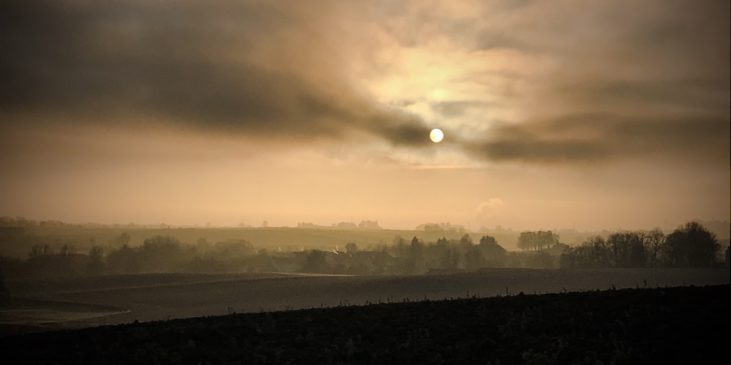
point(663, 325)
point(67, 303)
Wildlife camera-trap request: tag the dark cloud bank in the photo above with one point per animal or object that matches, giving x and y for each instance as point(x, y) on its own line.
point(223, 66)
point(596, 138)
point(192, 63)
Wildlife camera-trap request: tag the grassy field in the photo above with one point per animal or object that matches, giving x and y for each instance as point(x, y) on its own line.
point(167, 296)
point(33, 312)
point(665, 325)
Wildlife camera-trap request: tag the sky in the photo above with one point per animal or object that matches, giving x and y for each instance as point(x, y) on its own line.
point(556, 114)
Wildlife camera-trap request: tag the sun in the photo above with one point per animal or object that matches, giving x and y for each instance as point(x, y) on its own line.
point(436, 135)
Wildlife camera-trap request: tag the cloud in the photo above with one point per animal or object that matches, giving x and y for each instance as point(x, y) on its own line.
point(707, 94)
point(533, 82)
point(246, 67)
point(592, 138)
point(489, 208)
point(457, 108)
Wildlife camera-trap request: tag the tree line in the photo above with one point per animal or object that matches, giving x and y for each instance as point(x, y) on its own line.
point(688, 246)
point(691, 245)
point(168, 254)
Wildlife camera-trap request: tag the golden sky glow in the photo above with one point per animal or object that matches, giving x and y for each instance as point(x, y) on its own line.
point(555, 113)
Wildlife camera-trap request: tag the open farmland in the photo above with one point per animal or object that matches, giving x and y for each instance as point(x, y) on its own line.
point(668, 325)
point(167, 296)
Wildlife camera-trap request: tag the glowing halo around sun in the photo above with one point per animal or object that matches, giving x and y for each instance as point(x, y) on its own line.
point(436, 135)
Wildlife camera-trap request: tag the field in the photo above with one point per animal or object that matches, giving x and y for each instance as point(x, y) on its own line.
point(665, 325)
point(60, 303)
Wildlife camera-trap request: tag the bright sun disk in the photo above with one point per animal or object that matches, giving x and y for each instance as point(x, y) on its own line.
point(436, 135)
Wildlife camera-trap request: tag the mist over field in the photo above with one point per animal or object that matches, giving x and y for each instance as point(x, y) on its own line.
point(69, 276)
point(342, 181)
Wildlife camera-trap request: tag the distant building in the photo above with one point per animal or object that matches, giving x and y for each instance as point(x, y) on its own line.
point(372, 225)
point(345, 225)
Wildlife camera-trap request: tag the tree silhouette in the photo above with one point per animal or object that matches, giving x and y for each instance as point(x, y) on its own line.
point(474, 259)
point(449, 259)
point(351, 248)
point(492, 252)
point(122, 239)
point(4, 294)
point(594, 252)
point(654, 242)
point(123, 261)
point(691, 245)
point(537, 240)
point(465, 241)
point(417, 248)
point(315, 262)
point(95, 266)
point(628, 249)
